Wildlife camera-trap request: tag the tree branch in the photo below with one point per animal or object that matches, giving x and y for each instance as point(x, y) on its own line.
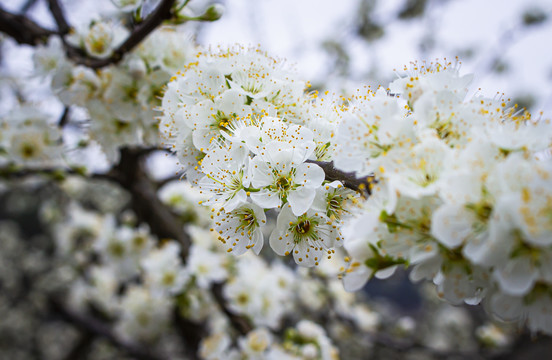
point(64, 117)
point(81, 347)
point(27, 6)
point(25, 31)
point(165, 224)
point(145, 202)
point(156, 18)
point(240, 323)
point(22, 29)
point(98, 328)
point(348, 179)
point(59, 16)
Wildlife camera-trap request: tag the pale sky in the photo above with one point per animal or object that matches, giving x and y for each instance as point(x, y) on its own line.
point(295, 29)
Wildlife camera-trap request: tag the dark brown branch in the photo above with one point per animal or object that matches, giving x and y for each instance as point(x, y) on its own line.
point(64, 117)
point(165, 224)
point(526, 346)
point(27, 6)
point(98, 328)
point(154, 20)
point(25, 31)
point(22, 29)
point(145, 202)
point(165, 181)
point(57, 13)
point(53, 173)
point(81, 347)
point(191, 332)
point(348, 179)
point(240, 323)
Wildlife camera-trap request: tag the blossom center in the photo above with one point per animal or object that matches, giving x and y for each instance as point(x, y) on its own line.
point(283, 184)
point(303, 227)
point(28, 151)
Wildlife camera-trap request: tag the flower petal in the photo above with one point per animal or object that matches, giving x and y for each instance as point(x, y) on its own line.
point(301, 200)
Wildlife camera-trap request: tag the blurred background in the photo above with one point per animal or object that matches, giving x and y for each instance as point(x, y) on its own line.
point(343, 45)
point(354, 42)
point(337, 45)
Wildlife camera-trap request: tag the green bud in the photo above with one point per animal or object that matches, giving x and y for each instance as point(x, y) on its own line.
point(213, 13)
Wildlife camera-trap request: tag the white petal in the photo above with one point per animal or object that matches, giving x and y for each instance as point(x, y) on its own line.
point(517, 277)
point(301, 200)
point(261, 173)
point(266, 199)
point(506, 307)
point(231, 101)
point(385, 273)
point(426, 270)
point(355, 280)
point(280, 243)
point(451, 224)
point(258, 241)
point(310, 175)
point(239, 198)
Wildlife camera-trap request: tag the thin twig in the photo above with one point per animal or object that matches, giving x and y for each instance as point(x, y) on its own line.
point(154, 20)
point(25, 31)
point(64, 117)
point(27, 6)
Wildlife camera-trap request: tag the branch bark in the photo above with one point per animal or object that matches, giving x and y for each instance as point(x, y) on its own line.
point(25, 31)
point(145, 202)
point(240, 323)
point(349, 179)
point(98, 328)
point(140, 32)
point(22, 29)
point(59, 17)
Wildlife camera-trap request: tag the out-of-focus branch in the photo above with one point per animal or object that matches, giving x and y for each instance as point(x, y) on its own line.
point(526, 346)
point(25, 31)
point(52, 173)
point(191, 332)
point(82, 346)
point(349, 179)
point(169, 179)
point(165, 224)
point(64, 117)
point(57, 13)
point(27, 6)
point(145, 202)
point(140, 32)
point(240, 323)
point(22, 29)
point(98, 328)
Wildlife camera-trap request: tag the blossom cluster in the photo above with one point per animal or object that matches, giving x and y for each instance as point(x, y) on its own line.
point(463, 193)
point(419, 175)
point(28, 140)
point(119, 99)
point(239, 120)
point(460, 187)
